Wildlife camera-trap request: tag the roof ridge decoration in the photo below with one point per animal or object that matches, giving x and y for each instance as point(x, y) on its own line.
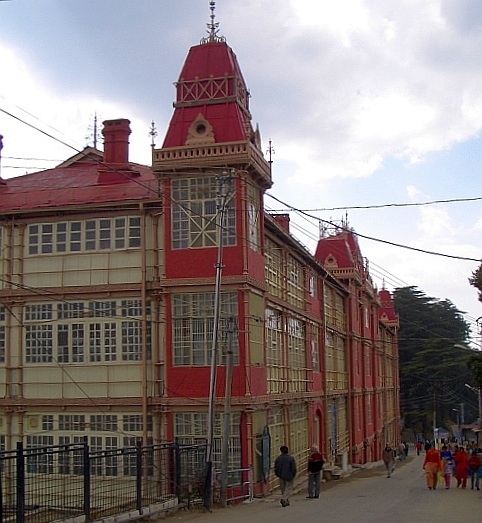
point(213, 28)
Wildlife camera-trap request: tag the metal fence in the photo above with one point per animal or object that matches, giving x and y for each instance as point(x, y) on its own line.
point(43, 484)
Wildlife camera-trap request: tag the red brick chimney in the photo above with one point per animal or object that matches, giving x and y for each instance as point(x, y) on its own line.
point(283, 220)
point(116, 141)
point(116, 168)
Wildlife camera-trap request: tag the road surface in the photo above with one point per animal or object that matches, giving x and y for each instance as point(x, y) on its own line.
point(367, 496)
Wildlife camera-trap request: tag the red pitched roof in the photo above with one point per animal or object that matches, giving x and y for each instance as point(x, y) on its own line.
point(77, 183)
point(336, 247)
point(387, 309)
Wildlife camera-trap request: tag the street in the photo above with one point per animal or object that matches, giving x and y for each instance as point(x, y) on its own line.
point(367, 496)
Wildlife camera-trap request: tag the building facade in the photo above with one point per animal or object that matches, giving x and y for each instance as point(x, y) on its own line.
point(372, 345)
point(126, 289)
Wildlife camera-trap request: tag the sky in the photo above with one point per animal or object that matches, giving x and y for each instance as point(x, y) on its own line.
point(373, 109)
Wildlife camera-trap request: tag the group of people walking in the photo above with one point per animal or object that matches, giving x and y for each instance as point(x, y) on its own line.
point(285, 469)
point(452, 461)
point(440, 467)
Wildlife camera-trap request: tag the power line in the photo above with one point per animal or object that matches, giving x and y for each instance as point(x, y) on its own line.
point(301, 212)
point(387, 242)
point(384, 205)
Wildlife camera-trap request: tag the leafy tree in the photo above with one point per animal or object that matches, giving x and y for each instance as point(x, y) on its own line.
point(434, 356)
point(475, 366)
point(476, 280)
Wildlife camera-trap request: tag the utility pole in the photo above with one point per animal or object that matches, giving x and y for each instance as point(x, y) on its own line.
point(227, 412)
point(224, 181)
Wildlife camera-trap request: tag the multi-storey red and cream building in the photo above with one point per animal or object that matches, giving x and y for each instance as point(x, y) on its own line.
point(372, 346)
point(108, 300)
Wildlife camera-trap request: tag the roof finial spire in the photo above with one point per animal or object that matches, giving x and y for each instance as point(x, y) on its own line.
point(153, 134)
point(213, 27)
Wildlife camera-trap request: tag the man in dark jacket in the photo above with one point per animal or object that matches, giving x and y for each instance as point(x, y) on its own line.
point(315, 465)
point(285, 470)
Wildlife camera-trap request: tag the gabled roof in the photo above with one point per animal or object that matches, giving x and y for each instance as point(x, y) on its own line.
point(76, 181)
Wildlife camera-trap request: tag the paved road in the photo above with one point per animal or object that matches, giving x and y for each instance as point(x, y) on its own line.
point(367, 496)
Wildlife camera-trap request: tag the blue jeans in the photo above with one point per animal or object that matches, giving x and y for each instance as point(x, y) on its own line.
point(314, 484)
point(474, 478)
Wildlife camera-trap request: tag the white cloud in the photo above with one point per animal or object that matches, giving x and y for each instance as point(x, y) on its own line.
point(435, 223)
point(68, 121)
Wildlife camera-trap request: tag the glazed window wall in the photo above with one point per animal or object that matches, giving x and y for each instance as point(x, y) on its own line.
point(334, 309)
point(194, 214)
point(286, 357)
point(85, 332)
point(274, 269)
point(338, 434)
point(297, 368)
point(192, 327)
point(295, 283)
point(253, 218)
point(336, 361)
point(107, 234)
point(276, 430)
point(299, 431)
point(191, 428)
point(274, 351)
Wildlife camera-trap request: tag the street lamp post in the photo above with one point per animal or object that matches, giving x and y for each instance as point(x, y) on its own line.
point(458, 424)
point(477, 391)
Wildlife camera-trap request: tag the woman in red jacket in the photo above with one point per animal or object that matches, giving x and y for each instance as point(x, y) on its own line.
point(431, 465)
point(461, 472)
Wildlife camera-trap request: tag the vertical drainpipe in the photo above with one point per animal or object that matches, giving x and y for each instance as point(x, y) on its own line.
point(352, 349)
point(21, 249)
point(144, 322)
point(157, 308)
point(8, 337)
point(8, 326)
point(243, 189)
point(249, 457)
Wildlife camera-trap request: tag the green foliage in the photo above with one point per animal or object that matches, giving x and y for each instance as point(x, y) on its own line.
point(434, 357)
point(475, 366)
point(476, 280)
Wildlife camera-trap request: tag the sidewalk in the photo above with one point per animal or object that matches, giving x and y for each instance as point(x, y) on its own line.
point(260, 509)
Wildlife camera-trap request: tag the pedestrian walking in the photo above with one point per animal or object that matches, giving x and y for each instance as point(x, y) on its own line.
point(401, 451)
point(474, 466)
point(418, 447)
point(285, 470)
point(448, 471)
point(445, 452)
point(315, 466)
point(431, 465)
point(388, 458)
point(461, 472)
point(406, 449)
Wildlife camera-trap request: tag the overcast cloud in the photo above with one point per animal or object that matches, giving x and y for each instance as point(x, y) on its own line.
point(366, 102)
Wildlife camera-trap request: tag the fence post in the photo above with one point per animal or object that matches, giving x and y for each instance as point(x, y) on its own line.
point(3, 468)
point(20, 483)
point(177, 471)
point(139, 475)
point(87, 484)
